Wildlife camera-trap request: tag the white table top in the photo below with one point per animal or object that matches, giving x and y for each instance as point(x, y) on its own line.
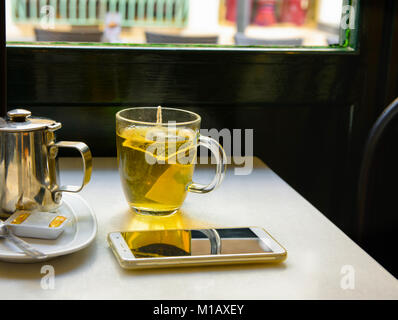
point(317, 249)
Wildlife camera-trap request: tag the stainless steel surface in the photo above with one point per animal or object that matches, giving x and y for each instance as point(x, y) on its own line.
point(19, 114)
point(87, 163)
point(26, 247)
point(19, 120)
point(29, 176)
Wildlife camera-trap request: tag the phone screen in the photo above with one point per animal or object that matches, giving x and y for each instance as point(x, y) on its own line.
point(173, 243)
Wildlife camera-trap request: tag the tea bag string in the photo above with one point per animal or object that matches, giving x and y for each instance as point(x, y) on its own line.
point(159, 116)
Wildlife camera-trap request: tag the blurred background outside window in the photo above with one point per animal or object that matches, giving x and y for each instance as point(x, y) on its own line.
point(222, 22)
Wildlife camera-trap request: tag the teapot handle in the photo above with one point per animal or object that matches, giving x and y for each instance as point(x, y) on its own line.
point(87, 164)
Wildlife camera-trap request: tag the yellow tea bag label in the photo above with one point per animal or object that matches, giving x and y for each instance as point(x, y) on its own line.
point(57, 221)
point(21, 218)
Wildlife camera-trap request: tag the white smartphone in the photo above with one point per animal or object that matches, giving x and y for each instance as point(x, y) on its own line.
point(195, 247)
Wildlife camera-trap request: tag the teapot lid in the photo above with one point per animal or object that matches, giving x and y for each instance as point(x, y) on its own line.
point(21, 120)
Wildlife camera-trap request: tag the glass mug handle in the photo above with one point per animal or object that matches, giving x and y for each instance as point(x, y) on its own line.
point(221, 159)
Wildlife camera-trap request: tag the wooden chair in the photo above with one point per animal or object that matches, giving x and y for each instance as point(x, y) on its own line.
point(377, 219)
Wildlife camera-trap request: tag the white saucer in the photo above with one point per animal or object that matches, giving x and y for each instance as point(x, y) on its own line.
point(79, 232)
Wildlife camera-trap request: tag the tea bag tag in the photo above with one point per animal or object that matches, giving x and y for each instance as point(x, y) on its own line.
point(159, 115)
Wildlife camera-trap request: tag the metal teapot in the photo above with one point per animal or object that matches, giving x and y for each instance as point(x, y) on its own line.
point(29, 177)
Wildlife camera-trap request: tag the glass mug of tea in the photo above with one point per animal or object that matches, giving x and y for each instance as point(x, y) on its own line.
point(157, 152)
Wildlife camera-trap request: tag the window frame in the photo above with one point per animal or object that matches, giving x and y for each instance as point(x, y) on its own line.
point(31, 53)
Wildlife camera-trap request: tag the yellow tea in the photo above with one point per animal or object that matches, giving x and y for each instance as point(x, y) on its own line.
point(156, 166)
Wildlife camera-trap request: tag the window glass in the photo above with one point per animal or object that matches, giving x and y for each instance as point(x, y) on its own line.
point(210, 22)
